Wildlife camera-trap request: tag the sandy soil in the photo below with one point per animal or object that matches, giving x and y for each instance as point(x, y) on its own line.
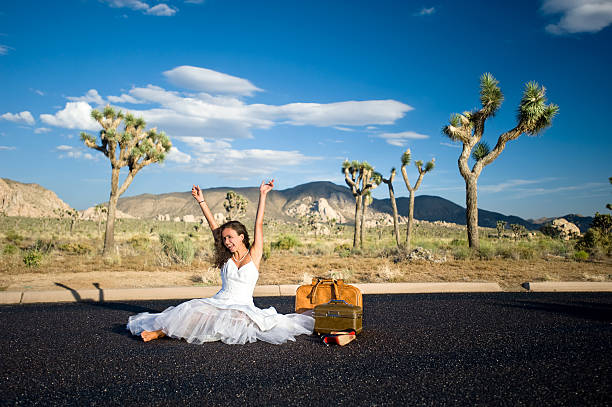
point(295, 269)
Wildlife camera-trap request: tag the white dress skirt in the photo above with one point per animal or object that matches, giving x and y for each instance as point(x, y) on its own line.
point(229, 316)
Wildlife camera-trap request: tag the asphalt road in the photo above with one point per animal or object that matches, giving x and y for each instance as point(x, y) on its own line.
point(430, 349)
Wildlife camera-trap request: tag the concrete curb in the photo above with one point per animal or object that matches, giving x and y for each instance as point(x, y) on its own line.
point(568, 286)
point(171, 293)
point(178, 293)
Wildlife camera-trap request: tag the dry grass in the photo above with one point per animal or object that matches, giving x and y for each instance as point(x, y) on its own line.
point(75, 261)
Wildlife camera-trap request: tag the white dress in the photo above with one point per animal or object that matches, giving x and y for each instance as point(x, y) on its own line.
point(229, 316)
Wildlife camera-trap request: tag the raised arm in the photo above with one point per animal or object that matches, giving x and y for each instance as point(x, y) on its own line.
point(196, 192)
point(257, 247)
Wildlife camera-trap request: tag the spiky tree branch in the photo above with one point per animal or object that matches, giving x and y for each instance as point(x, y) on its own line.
point(138, 148)
point(533, 117)
point(406, 157)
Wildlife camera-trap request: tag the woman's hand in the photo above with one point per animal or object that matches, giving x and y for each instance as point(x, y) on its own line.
point(196, 192)
point(266, 187)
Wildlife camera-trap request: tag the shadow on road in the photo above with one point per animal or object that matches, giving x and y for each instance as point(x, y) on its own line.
point(584, 310)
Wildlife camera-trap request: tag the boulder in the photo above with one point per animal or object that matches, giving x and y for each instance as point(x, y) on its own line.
point(565, 229)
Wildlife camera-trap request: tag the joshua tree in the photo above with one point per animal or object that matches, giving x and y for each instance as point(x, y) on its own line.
point(500, 226)
point(422, 171)
point(389, 182)
point(138, 148)
point(361, 179)
point(235, 205)
point(100, 209)
point(533, 117)
point(609, 206)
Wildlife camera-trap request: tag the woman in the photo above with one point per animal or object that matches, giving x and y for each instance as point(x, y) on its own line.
point(230, 315)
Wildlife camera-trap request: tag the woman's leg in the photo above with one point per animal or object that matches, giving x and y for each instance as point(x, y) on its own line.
point(151, 335)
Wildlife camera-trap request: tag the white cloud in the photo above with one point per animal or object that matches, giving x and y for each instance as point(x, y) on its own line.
point(38, 92)
point(578, 16)
point(207, 80)
point(124, 99)
point(92, 96)
point(161, 10)
point(23, 117)
point(426, 11)
point(343, 128)
point(512, 184)
point(178, 156)
point(74, 152)
point(401, 139)
point(226, 116)
point(76, 115)
point(350, 113)
point(41, 130)
point(4, 49)
point(453, 145)
point(218, 157)
point(132, 4)
point(7, 148)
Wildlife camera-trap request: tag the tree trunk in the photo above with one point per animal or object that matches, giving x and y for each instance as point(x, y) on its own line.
point(109, 236)
point(410, 220)
point(471, 211)
point(357, 235)
point(363, 208)
point(395, 220)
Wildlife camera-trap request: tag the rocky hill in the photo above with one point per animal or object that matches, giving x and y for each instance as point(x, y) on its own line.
point(30, 200)
point(325, 198)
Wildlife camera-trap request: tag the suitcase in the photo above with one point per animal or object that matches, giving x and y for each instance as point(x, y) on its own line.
point(337, 315)
point(323, 290)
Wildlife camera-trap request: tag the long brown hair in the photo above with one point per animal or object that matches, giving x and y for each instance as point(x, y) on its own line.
point(222, 253)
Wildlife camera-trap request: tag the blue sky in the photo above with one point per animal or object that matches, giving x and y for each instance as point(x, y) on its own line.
point(250, 90)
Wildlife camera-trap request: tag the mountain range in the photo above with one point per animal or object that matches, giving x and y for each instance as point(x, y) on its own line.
point(325, 198)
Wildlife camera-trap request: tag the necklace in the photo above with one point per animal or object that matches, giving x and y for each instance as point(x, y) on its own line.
point(242, 258)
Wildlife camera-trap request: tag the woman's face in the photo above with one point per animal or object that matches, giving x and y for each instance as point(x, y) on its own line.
point(232, 240)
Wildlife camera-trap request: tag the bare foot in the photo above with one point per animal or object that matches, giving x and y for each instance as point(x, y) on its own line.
point(151, 335)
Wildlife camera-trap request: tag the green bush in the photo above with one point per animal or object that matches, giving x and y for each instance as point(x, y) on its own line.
point(13, 237)
point(462, 253)
point(343, 250)
point(9, 249)
point(486, 252)
point(75, 248)
point(597, 240)
point(285, 242)
point(32, 258)
point(581, 255)
point(266, 252)
point(179, 251)
point(139, 242)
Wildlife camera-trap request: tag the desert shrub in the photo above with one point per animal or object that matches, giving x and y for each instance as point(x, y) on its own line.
point(507, 252)
point(266, 252)
point(73, 248)
point(581, 255)
point(9, 249)
point(32, 258)
point(139, 242)
point(550, 231)
point(285, 242)
point(13, 237)
point(486, 252)
point(597, 241)
point(458, 242)
point(526, 252)
point(179, 251)
point(343, 250)
point(461, 252)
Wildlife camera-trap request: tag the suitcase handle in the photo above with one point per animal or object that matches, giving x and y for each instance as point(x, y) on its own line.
point(337, 301)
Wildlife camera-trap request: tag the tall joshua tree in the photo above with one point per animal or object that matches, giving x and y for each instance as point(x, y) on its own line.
point(533, 117)
point(412, 189)
point(360, 178)
point(138, 148)
point(389, 182)
point(235, 205)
